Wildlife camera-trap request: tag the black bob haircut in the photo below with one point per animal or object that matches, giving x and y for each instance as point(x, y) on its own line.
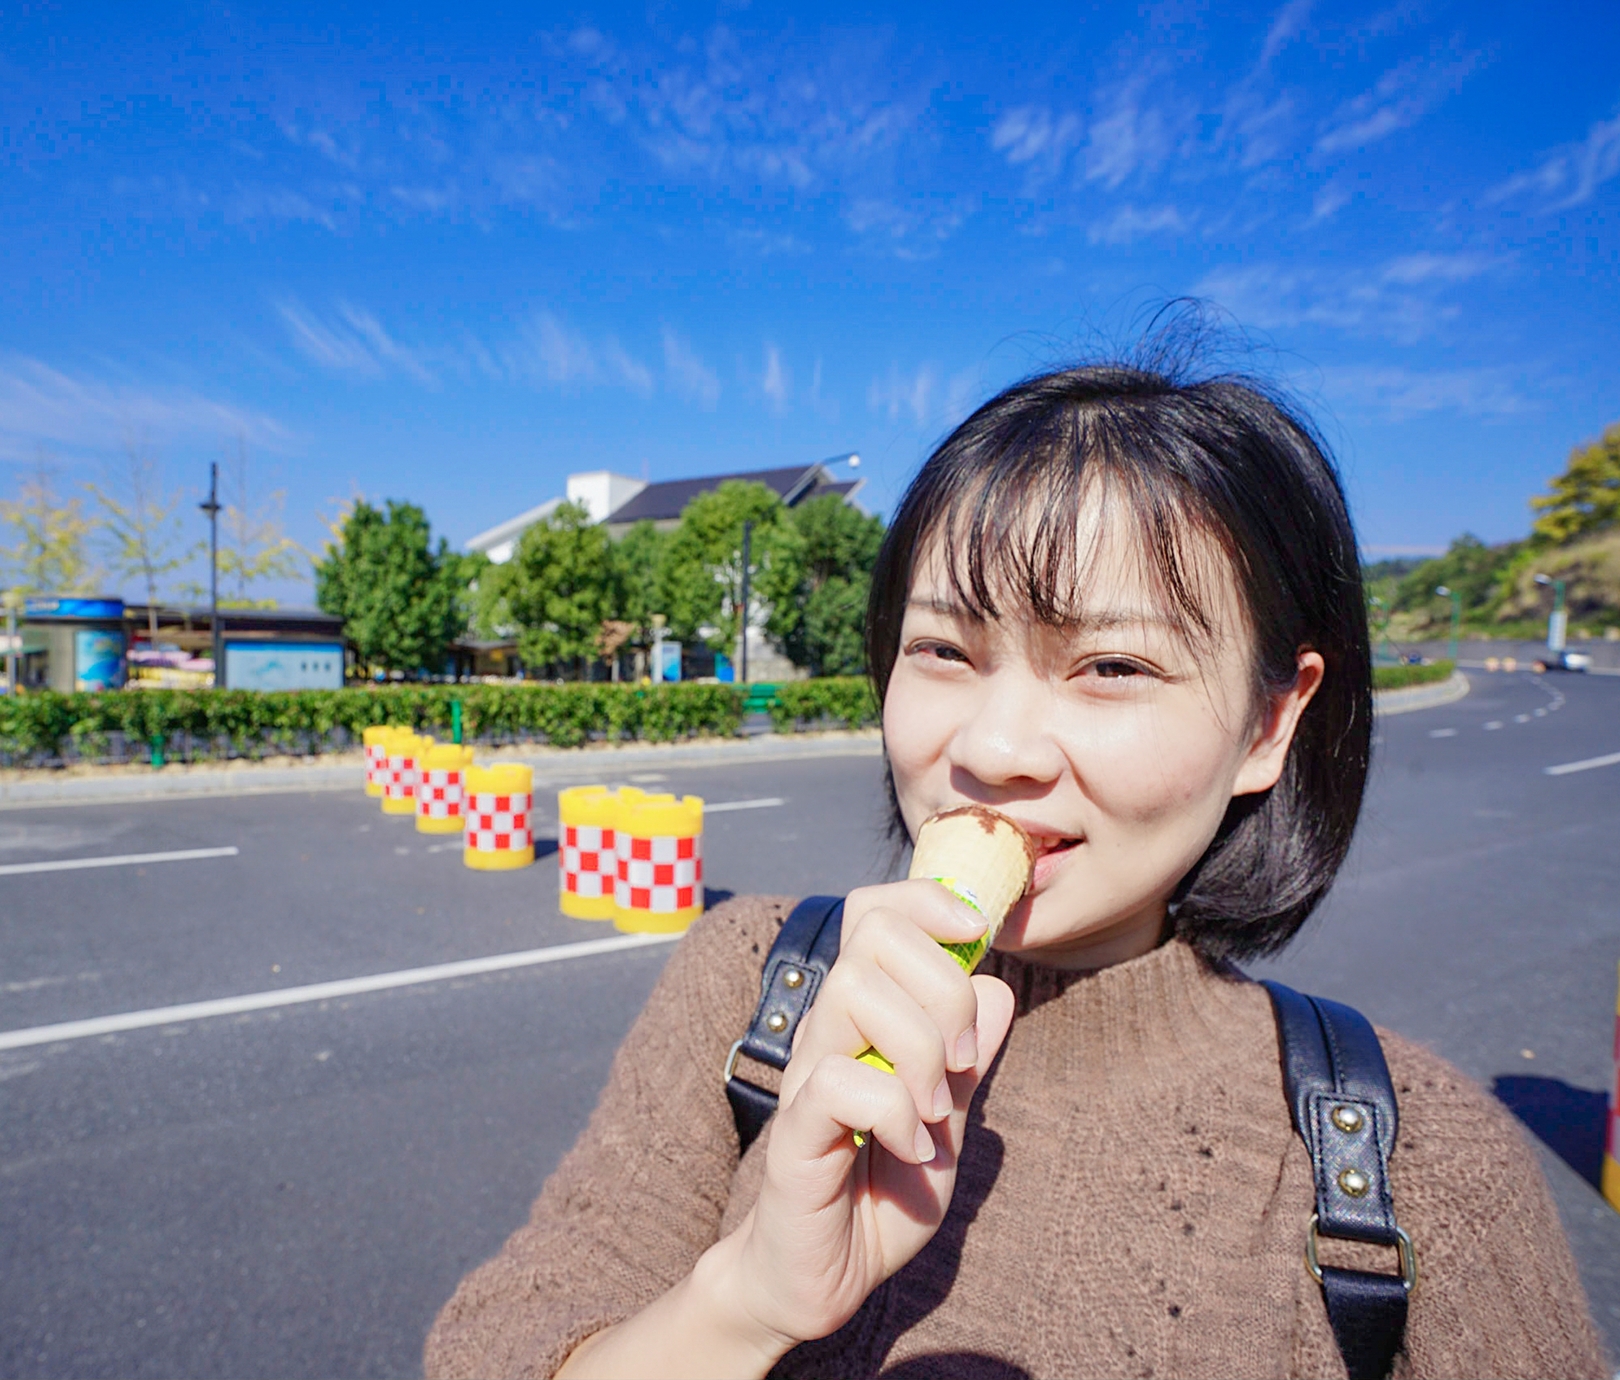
point(1222, 457)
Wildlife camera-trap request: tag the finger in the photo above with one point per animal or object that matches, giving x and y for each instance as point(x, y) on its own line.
point(934, 910)
point(839, 1095)
point(931, 975)
point(868, 1009)
point(996, 1009)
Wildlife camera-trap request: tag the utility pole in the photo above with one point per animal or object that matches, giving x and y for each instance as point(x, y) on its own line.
point(1456, 617)
point(1558, 621)
point(13, 644)
point(748, 533)
point(212, 509)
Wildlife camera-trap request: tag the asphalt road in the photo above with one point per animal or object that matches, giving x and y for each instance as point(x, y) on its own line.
point(293, 1192)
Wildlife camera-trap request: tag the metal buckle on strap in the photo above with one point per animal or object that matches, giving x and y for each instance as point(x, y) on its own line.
point(731, 1065)
point(1409, 1266)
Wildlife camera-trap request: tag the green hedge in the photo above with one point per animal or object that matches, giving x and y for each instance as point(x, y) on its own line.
point(45, 727)
point(1399, 677)
point(846, 701)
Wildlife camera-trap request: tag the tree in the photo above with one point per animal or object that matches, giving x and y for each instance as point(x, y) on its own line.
point(396, 594)
point(558, 587)
point(703, 570)
point(253, 547)
point(640, 560)
point(144, 525)
point(1469, 566)
point(1585, 498)
point(840, 548)
point(47, 538)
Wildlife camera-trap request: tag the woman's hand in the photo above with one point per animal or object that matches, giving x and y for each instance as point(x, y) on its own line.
point(833, 1222)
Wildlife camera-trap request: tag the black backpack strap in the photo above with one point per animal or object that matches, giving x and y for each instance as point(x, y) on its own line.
point(1344, 1109)
point(798, 962)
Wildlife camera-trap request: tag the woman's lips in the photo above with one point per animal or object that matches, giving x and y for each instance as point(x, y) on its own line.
point(1054, 853)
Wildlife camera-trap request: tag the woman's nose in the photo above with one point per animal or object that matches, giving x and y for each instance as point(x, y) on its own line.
point(1006, 738)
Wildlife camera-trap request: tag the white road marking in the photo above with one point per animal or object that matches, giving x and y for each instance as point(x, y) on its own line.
point(320, 991)
point(1493, 725)
point(1521, 718)
point(764, 804)
point(117, 860)
point(1442, 733)
point(1585, 764)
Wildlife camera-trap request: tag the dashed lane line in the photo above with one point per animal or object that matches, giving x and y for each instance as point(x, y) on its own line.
point(1585, 764)
point(320, 991)
point(117, 860)
point(762, 804)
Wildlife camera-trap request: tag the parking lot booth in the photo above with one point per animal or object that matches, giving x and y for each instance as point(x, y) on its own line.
point(500, 830)
point(659, 888)
point(83, 642)
point(440, 788)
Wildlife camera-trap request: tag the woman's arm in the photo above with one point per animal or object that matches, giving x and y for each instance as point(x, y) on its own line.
point(833, 1222)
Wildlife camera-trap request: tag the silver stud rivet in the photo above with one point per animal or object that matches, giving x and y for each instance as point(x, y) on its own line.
point(1348, 1119)
point(1354, 1182)
point(776, 1023)
point(793, 978)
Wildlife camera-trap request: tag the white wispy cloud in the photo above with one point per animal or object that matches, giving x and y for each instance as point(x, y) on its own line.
point(1131, 223)
point(1569, 176)
point(354, 342)
point(1401, 394)
point(689, 377)
point(547, 350)
point(1133, 136)
point(1399, 98)
point(1038, 139)
point(1285, 28)
point(923, 396)
point(776, 383)
point(43, 406)
point(1401, 299)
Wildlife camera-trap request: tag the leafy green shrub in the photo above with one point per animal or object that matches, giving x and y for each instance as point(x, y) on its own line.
point(1399, 677)
point(846, 700)
point(46, 727)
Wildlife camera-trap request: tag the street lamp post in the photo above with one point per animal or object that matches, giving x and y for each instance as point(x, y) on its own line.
point(1558, 620)
point(13, 644)
point(748, 536)
point(212, 509)
point(1456, 617)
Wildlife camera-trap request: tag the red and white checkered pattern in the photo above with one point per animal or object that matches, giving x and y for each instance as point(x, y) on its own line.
point(439, 793)
point(662, 874)
point(399, 781)
point(377, 764)
point(499, 823)
point(587, 861)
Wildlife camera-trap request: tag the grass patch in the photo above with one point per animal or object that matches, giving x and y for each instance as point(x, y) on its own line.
point(1400, 677)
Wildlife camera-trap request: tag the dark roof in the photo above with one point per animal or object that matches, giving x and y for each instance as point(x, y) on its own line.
point(658, 502)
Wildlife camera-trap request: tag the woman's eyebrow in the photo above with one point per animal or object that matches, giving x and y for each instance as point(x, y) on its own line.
point(1082, 620)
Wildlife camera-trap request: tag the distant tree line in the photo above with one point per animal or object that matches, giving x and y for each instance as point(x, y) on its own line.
point(573, 598)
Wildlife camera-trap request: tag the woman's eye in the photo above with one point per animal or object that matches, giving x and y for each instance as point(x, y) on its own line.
point(1112, 669)
point(941, 650)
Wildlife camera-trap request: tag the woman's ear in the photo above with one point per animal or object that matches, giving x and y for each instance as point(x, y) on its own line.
point(1272, 735)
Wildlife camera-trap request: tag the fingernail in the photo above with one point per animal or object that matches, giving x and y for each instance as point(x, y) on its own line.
point(967, 1049)
point(924, 1145)
point(943, 1101)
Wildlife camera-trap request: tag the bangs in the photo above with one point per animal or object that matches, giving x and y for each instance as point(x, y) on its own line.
point(1023, 535)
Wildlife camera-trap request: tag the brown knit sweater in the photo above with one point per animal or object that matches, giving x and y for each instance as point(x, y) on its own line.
point(1132, 1198)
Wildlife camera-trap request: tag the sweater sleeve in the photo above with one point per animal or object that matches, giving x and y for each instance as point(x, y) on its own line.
point(640, 1196)
point(1498, 1293)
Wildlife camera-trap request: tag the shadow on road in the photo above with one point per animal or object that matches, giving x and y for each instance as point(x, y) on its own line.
point(1569, 1121)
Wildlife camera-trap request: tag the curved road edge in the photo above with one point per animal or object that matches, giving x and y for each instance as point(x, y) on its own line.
point(1413, 697)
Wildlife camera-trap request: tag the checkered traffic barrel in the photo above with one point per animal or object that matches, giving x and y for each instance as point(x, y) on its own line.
point(376, 739)
point(500, 830)
point(587, 860)
point(440, 788)
point(659, 888)
point(405, 751)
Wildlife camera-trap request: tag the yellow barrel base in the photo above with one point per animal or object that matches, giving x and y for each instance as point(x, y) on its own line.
point(1611, 1182)
point(645, 922)
point(374, 788)
point(426, 824)
point(498, 862)
point(586, 907)
point(398, 807)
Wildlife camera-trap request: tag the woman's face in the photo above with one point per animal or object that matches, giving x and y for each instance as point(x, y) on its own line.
point(1113, 743)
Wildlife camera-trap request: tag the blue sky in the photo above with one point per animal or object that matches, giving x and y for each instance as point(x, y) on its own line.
point(452, 253)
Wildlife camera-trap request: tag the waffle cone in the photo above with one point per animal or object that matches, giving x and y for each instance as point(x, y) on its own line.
point(981, 855)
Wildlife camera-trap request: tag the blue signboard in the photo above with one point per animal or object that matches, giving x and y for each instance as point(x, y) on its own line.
point(284, 665)
point(102, 610)
point(666, 661)
point(98, 659)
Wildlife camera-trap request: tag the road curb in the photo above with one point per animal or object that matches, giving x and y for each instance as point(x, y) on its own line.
point(552, 766)
point(1414, 697)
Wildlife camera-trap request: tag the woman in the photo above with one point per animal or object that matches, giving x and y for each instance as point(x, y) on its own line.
point(1125, 611)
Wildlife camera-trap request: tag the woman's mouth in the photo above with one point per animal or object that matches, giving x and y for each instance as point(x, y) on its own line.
point(1051, 854)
